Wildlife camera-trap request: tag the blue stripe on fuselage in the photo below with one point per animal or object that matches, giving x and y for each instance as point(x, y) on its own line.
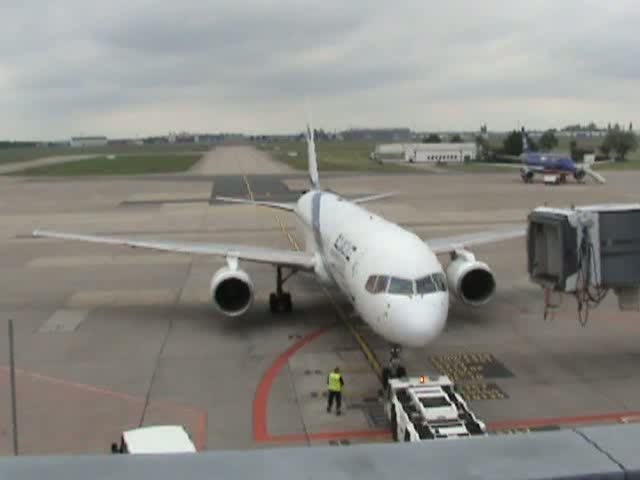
point(315, 219)
point(317, 234)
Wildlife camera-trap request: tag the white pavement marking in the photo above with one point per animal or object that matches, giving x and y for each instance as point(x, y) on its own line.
point(107, 260)
point(103, 298)
point(64, 320)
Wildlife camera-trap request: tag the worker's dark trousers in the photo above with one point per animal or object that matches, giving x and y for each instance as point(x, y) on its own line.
point(338, 397)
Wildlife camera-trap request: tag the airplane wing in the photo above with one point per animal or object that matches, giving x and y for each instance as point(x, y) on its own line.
point(448, 244)
point(287, 258)
point(498, 164)
point(290, 207)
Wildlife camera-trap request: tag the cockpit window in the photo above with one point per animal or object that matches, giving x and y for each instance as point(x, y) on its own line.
point(440, 281)
point(436, 282)
point(400, 286)
point(381, 284)
point(371, 282)
point(425, 285)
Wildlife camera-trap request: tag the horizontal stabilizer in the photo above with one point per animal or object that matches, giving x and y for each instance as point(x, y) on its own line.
point(371, 198)
point(290, 207)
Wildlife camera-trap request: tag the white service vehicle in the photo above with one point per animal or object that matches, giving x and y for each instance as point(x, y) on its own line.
point(155, 439)
point(424, 408)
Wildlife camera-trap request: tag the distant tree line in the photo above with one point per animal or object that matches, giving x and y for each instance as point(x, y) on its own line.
point(590, 127)
point(432, 138)
point(617, 141)
point(9, 144)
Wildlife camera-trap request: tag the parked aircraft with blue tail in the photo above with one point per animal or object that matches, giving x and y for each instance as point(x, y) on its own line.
point(555, 167)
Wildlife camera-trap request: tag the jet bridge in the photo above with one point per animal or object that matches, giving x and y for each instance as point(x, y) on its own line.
point(586, 251)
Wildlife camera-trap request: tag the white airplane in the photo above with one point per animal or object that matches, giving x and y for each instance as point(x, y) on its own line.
point(392, 278)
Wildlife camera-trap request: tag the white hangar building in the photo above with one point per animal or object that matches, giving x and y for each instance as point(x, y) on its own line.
point(440, 152)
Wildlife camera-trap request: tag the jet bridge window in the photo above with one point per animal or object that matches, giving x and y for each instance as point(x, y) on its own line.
point(400, 286)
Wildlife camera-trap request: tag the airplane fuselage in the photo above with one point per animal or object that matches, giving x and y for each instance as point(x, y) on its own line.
point(549, 163)
point(375, 264)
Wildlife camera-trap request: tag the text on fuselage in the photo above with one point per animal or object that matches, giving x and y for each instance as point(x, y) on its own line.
point(344, 247)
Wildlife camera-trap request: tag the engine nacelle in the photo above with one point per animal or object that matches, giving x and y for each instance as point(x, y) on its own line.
point(470, 280)
point(231, 291)
point(579, 175)
point(526, 174)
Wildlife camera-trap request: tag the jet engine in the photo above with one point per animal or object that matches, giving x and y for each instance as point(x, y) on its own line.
point(579, 175)
point(526, 174)
point(470, 280)
point(231, 291)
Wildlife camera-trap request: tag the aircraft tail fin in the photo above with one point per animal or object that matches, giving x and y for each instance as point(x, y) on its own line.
point(525, 144)
point(313, 162)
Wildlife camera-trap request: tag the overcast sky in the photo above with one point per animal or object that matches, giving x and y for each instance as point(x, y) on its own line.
point(140, 67)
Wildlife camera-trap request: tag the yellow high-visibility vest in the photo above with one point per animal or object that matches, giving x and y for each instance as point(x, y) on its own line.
point(334, 382)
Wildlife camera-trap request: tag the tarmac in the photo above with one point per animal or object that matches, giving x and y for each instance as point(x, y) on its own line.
point(110, 338)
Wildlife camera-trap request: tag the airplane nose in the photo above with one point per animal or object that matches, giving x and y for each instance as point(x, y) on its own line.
point(424, 318)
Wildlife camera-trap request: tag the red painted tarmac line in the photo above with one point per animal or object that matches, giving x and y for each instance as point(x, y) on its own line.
point(319, 436)
point(261, 399)
point(261, 432)
point(200, 428)
point(98, 390)
point(200, 432)
point(576, 420)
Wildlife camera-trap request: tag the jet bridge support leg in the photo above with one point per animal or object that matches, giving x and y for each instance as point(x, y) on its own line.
point(280, 301)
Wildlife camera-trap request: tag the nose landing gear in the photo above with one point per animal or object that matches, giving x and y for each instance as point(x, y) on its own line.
point(394, 368)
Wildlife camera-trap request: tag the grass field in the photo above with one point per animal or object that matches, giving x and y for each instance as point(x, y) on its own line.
point(10, 155)
point(633, 163)
point(331, 156)
point(120, 165)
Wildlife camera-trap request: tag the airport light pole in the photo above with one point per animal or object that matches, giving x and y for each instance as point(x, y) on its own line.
point(12, 373)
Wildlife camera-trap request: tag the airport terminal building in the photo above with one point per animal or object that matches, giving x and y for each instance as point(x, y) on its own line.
point(427, 152)
point(440, 152)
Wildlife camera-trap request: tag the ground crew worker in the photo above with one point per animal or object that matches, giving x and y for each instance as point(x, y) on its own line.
point(335, 384)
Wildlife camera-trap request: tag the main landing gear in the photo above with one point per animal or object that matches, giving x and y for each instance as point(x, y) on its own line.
point(280, 301)
point(394, 369)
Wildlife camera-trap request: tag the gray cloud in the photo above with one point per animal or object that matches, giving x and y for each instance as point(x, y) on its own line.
point(147, 66)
